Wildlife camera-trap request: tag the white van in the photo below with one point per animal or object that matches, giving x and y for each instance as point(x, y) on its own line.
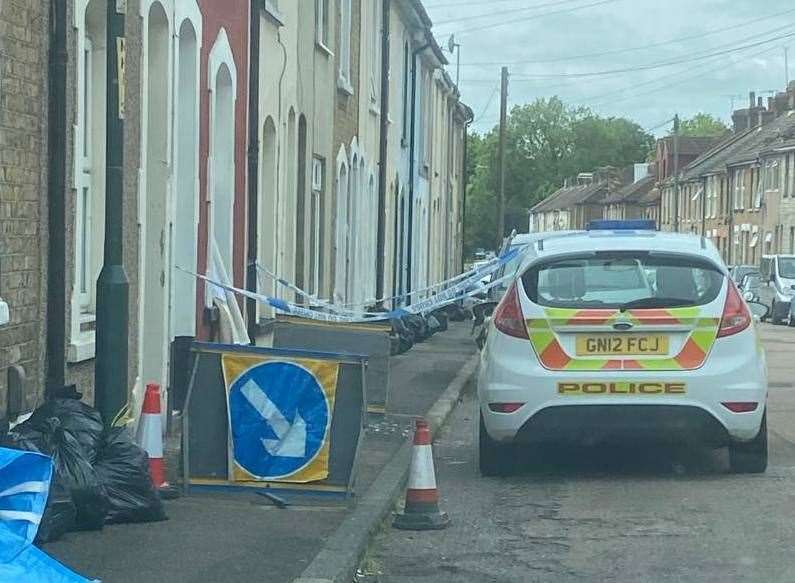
point(778, 285)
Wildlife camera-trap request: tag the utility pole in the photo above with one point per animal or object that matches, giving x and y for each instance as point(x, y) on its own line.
point(503, 132)
point(676, 173)
point(113, 288)
point(786, 67)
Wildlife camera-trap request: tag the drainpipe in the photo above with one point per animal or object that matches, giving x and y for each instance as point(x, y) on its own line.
point(111, 374)
point(412, 147)
point(704, 201)
point(56, 189)
point(383, 152)
point(465, 186)
point(730, 200)
point(252, 244)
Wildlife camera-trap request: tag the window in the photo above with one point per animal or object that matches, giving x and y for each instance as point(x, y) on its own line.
point(790, 187)
point(712, 197)
point(316, 224)
point(614, 279)
point(89, 178)
point(322, 23)
point(344, 79)
point(375, 54)
point(739, 189)
point(405, 121)
point(772, 176)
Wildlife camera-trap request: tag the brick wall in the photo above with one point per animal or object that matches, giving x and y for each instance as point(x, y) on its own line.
point(23, 151)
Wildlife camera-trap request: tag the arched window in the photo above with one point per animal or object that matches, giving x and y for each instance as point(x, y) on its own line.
point(221, 184)
point(340, 228)
point(186, 137)
point(267, 206)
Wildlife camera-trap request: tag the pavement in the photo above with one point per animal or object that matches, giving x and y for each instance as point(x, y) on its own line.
point(243, 537)
point(617, 514)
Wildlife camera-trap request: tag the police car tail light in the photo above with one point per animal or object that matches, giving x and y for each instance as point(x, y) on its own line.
point(736, 316)
point(741, 406)
point(505, 407)
point(508, 317)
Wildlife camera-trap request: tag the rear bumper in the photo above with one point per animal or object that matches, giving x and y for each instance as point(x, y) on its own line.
point(735, 372)
point(592, 424)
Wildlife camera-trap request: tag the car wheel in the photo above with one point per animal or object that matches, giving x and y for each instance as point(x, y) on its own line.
point(494, 458)
point(750, 457)
point(774, 314)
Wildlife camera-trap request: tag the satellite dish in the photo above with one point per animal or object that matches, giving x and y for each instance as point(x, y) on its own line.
point(451, 44)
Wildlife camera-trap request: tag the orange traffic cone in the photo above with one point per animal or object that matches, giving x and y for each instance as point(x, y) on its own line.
point(150, 435)
point(421, 511)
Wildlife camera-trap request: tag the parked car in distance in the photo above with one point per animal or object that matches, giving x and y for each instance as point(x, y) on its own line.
point(738, 272)
point(750, 285)
point(778, 285)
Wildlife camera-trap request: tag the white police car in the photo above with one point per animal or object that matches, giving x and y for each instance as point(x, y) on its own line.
point(620, 334)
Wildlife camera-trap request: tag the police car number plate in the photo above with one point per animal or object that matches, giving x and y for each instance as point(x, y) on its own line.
point(621, 345)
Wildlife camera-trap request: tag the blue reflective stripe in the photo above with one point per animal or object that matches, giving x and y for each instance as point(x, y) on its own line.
point(615, 225)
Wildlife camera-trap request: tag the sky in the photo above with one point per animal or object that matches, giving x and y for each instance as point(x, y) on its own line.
point(714, 53)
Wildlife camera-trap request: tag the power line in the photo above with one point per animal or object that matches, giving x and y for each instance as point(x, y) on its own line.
point(504, 12)
point(488, 103)
point(632, 49)
point(658, 126)
point(479, 3)
point(659, 64)
point(703, 67)
point(675, 83)
point(532, 17)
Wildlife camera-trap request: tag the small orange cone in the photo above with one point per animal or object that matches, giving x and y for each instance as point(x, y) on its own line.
point(150, 435)
point(422, 498)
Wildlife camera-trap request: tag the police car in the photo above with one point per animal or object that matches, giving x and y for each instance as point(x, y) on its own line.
point(622, 333)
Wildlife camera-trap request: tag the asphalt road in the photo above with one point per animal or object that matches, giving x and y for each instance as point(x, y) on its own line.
point(624, 515)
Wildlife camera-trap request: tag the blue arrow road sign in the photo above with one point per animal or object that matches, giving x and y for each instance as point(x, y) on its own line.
point(279, 416)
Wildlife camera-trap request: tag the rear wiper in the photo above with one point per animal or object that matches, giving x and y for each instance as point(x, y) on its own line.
point(655, 302)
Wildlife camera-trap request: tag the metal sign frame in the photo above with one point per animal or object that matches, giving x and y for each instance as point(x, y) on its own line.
point(343, 358)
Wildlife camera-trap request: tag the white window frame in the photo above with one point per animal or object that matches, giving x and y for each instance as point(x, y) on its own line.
point(738, 194)
point(344, 72)
point(323, 25)
point(375, 55)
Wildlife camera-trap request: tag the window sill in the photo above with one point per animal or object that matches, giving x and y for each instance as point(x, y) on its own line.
point(344, 86)
point(273, 13)
point(321, 47)
point(82, 348)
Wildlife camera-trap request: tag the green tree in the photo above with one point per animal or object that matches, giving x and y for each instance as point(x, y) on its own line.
point(703, 125)
point(547, 142)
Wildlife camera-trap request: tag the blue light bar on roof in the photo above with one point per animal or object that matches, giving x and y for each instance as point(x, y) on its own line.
point(632, 225)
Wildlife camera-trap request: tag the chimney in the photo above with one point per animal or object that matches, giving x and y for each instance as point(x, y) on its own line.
point(760, 102)
point(740, 119)
point(752, 97)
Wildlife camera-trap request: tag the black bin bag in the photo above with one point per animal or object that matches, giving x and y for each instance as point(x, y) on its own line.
point(60, 513)
point(81, 420)
point(123, 469)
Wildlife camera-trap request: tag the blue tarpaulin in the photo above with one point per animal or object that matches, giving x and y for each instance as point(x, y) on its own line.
point(24, 485)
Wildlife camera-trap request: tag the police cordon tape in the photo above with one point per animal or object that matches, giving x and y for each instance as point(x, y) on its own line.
point(475, 275)
point(449, 296)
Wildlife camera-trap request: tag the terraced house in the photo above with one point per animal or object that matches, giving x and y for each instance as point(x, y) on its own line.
point(321, 140)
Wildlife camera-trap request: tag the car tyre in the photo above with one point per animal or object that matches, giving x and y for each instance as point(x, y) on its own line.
point(494, 458)
point(774, 317)
point(750, 457)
